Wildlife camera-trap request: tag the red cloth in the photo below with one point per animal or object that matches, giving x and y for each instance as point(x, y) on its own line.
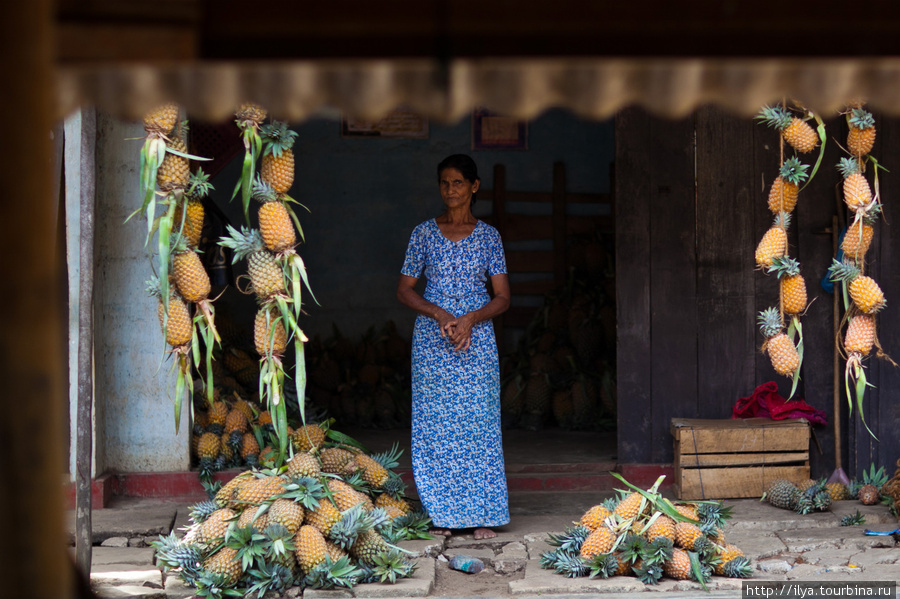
point(767, 403)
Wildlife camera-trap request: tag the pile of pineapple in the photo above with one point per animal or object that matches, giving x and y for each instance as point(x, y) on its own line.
point(364, 381)
point(330, 517)
point(563, 370)
point(817, 495)
point(645, 535)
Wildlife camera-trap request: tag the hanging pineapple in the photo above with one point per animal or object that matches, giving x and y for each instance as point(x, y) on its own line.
point(858, 342)
point(774, 242)
point(782, 351)
point(189, 214)
point(274, 219)
point(857, 193)
point(796, 132)
point(861, 136)
point(859, 236)
point(249, 117)
point(176, 323)
point(792, 284)
point(277, 168)
point(786, 186)
point(863, 290)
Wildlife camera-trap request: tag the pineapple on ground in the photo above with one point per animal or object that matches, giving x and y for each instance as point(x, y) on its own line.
point(774, 242)
point(861, 136)
point(226, 563)
point(781, 493)
point(796, 132)
point(679, 565)
point(782, 351)
point(784, 190)
point(594, 517)
point(309, 549)
point(599, 541)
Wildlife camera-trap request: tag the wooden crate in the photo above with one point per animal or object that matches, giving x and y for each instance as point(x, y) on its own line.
point(718, 459)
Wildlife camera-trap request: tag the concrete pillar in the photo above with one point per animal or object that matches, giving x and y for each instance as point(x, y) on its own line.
point(33, 560)
point(134, 407)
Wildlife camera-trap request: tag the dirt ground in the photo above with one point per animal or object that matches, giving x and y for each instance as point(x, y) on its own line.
point(487, 583)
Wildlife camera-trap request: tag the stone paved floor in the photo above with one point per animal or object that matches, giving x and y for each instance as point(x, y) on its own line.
point(782, 545)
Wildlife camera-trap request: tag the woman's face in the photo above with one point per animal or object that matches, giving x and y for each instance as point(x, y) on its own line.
point(456, 191)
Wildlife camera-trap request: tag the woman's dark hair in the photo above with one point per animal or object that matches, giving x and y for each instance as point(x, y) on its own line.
point(464, 164)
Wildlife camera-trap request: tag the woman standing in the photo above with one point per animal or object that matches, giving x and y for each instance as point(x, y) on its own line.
point(457, 451)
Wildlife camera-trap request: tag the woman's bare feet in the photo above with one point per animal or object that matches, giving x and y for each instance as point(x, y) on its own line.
point(439, 532)
point(484, 533)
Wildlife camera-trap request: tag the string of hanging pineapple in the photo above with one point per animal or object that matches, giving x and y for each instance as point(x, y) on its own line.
point(772, 254)
point(172, 206)
point(862, 297)
point(276, 272)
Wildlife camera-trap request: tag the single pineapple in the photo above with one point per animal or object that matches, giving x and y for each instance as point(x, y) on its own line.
point(393, 504)
point(796, 132)
point(629, 506)
point(308, 437)
point(781, 493)
point(860, 335)
point(250, 449)
point(287, 513)
point(868, 495)
point(784, 190)
point(249, 518)
point(269, 334)
point(178, 329)
point(372, 472)
point(309, 549)
point(191, 278)
point(782, 351)
point(255, 491)
point(679, 566)
point(266, 275)
point(663, 526)
point(275, 224)
point(246, 407)
point(303, 464)
point(226, 563)
point(336, 460)
point(368, 547)
point(858, 238)
point(191, 210)
point(225, 495)
point(277, 168)
point(323, 517)
point(864, 291)
point(218, 413)
point(236, 421)
point(774, 242)
point(599, 541)
point(687, 510)
point(216, 524)
point(838, 491)
point(162, 119)
point(857, 193)
point(344, 496)
point(861, 136)
point(686, 534)
point(175, 170)
point(793, 286)
point(594, 517)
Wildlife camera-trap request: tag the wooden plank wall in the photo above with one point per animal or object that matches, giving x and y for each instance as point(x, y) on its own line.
point(691, 206)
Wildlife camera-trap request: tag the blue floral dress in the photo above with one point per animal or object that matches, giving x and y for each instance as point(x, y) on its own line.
point(457, 451)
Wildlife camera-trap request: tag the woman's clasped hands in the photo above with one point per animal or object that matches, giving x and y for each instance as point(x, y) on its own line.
point(458, 331)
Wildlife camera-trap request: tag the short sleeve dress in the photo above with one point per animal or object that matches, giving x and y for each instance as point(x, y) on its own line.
point(457, 451)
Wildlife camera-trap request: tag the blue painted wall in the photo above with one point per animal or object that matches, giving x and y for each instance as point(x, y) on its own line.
point(366, 195)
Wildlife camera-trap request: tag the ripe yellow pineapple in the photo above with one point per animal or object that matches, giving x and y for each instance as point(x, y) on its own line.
point(248, 518)
point(179, 327)
point(663, 526)
point(861, 136)
point(679, 566)
point(249, 447)
point(728, 553)
point(269, 334)
point(864, 291)
point(225, 495)
point(784, 190)
point(333, 551)
point(372, 472)
point(336, 460)
point(214, 527)
point(190, 276)
point(277, 168)
point(323, 517)
point(236, 421)
point(389, 502)
point(162, 119)
point(343, 495)
point(258, 490)
point(782, 351)
point(857, 193)
point(594, 517)
point(857, 239)
point(686, 534)
point(793, 286)
point(303, 464)
point(286, 512)
point(796, 132)
point(774, 242)
point(266, 275)
point(368, 546)
point(860, 335)
point(208, 446)
point(308, 437)
point(687, 510)
point(837, 491)
point(599, 541)
point(245, 407)
point(191, 210)
point(175, 170)
point(226, 562)
point(629, 506)
point(275, 224)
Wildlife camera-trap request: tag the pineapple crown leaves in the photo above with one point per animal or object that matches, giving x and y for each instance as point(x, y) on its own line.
point(571, 539)
point(167, 548)
point(263, 192)
point(848, 166)
point(389, 459)
point(714, 514)
point(214, 586)
point(394, 486)
point(270, 577)
point(305, 490)
point(277, 137)
point(739, 567)
point(199, 512)
point(775, 116)
point(769, 321)
point(378, 519)
point(699, 571)
point(603, 565)
point(345, 531)
point(873, 477)
point(853, 519)
point(649, 573)
point(571, 565)
point(243, 242)
point(249, 542)
point(548, 559)
point(278, 541)
point(199, 185)
point(411, 526)
point(782, 220)
point(784, 266)
point(860, 118)
point(793, 171)
point(633, 548)
point(659, 550)
point(330, 574)
point(391, 565)
point(843, 271)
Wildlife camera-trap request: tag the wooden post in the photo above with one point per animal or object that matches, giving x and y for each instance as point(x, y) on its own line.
point(33, 560)
point(85, 437)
